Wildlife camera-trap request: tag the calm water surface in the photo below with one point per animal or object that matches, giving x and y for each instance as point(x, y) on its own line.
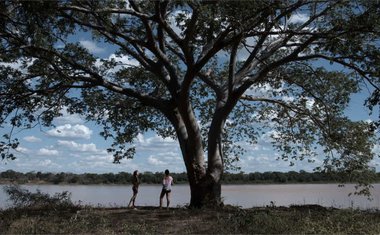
point(245, 196)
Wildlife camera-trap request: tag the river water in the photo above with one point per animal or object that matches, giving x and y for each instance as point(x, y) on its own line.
point(245, 196)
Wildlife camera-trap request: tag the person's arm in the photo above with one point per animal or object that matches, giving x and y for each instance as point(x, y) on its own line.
point(172, 180)
point(135, 182)
point(138, 181)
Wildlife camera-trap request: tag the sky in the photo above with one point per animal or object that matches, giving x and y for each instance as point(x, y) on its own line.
point(74, 145)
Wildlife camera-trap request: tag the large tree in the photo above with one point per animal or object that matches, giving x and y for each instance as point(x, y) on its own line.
point(209, 73)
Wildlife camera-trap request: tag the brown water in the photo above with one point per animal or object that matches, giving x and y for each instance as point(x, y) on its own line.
point(245, 196)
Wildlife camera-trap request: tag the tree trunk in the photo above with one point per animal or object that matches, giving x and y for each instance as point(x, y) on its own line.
point(206, 193)
point(205, 185)
point(206, 188)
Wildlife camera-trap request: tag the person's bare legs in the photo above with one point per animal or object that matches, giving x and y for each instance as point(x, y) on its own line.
point(161, 198)
point(132, 201)
point(167, 200)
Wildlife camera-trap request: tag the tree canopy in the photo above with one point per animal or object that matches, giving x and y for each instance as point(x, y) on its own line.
point(210, 74)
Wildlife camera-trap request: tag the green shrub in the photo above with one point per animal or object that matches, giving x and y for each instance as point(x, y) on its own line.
point(21, 197)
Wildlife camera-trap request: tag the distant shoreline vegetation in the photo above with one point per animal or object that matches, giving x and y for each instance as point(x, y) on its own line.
point(270, 177)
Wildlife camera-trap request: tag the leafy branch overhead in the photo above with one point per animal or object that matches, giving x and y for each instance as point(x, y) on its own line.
point(211, 74)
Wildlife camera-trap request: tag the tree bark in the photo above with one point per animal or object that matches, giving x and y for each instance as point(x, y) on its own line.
point(205, 193)
point(205, 184)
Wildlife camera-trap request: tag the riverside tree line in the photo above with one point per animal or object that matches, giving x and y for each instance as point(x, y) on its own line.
point(11, 176)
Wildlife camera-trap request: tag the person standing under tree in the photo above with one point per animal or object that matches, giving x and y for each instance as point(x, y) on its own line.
point(135, 188)
point(167, 183)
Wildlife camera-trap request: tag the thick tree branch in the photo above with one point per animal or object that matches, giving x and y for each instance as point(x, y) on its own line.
point(105, 10)
point(161, 7)
point(232, 66)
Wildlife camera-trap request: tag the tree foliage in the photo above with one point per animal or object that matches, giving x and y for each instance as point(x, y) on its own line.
point(211, 74)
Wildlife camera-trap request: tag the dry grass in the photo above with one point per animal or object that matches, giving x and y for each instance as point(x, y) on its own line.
point(150, 220)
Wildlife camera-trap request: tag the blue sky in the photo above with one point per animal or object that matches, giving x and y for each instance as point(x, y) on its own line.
point(74, 145)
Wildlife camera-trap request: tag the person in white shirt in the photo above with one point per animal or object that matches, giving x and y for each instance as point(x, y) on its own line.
point(167, 183)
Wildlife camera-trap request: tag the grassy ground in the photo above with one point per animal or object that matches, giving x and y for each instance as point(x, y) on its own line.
point(149, 220)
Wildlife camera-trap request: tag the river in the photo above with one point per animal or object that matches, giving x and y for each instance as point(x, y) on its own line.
point(245, 196)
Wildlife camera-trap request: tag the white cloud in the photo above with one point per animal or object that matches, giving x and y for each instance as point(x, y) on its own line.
point(288, 99)
point(264, 90)
point(259, 158)
point(140, 138)
point(124, 59)
point(46, 163)
point(104, 159)
point(22, 149)
point(267, 137)
point(47, 152)
point(243, 53)
point(155, 140)
point(155, 143)
point(169, 159)
point(376, 149)
point(158, 139)
point(267, 161)
point(375, 163)
point(19, 64)
point(34, 164)
point(32, 139)
point(73, 146)
point(310, 103)
point(91, 46)
point(298, 18)
point(104, 165)
point(248, 146)
point(71, 131)
point(155, 161)
point(68, 118)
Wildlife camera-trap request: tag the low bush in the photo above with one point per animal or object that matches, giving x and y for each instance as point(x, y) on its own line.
point(22, 198)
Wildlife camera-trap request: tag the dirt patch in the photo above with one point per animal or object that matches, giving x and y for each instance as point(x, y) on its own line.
point(171, 221)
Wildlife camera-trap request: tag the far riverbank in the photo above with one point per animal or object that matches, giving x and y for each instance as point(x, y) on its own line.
point(123, 178)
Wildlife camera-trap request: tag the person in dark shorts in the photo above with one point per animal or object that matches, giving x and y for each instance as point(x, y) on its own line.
point(167, 183)
point(135, 188)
